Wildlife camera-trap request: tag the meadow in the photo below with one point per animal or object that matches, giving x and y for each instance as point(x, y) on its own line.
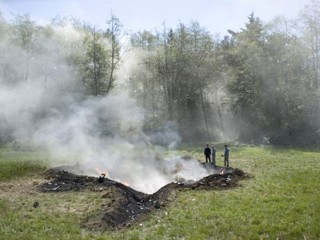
point(280, 201)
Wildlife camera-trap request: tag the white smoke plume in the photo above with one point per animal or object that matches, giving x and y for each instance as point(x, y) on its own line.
point(94, 134)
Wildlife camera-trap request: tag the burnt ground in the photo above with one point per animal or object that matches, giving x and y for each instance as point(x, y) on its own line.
point(127, 205)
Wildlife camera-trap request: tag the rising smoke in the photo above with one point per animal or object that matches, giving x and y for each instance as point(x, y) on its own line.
point(94, 134)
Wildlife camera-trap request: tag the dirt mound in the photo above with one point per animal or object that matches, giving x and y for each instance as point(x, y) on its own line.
point(128, 205)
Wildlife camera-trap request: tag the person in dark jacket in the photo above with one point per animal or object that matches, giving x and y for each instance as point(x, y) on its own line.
point(207, 153)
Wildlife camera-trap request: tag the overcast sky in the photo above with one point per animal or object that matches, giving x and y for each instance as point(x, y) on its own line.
point(217, 16)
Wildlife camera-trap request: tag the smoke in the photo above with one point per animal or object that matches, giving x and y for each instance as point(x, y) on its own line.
point(93, 134)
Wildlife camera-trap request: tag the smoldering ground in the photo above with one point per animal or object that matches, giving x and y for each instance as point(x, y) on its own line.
point(123, 205)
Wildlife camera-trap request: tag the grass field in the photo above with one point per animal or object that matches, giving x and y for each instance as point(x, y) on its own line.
point(282, 201)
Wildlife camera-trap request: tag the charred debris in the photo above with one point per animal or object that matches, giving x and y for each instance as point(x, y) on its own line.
point(128, 206)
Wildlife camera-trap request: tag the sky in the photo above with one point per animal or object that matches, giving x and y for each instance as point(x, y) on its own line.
point(217, 16)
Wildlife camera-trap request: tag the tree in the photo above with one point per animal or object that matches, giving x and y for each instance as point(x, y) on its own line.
point(244, 61)
point(144, 40)
point(200, 60)
point(268, 77)
point(94, 64)
point(142, 84)
point(310, 19)
point(179, 63)
point(100, 58)
point(113, 33)
point(24, 31)
point(284, 86)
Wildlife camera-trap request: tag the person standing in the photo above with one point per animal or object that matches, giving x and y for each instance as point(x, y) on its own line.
point(213, 151)
point(226, 156)
point(207, 153)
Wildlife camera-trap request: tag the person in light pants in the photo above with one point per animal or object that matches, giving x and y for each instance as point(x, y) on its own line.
point(213, 151)
point(226, 156)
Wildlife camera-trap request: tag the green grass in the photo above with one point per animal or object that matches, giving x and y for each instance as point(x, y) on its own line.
point(18, 163)
point(280, 202)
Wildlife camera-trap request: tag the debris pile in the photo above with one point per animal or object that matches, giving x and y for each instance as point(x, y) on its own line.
point(128, 205)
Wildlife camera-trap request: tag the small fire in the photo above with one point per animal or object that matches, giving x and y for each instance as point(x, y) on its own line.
point(103, 173)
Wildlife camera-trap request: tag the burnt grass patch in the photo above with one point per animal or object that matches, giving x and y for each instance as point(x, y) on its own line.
point(126, 206)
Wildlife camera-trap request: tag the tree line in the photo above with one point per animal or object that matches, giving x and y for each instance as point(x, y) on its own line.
point(256, 85)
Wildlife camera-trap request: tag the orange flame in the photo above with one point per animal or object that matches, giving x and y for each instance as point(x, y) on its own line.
point(104, 173)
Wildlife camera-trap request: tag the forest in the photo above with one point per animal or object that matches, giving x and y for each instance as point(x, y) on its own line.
point(257, 85)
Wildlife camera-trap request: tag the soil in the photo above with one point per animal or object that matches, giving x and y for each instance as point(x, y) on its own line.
point(127, 206)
